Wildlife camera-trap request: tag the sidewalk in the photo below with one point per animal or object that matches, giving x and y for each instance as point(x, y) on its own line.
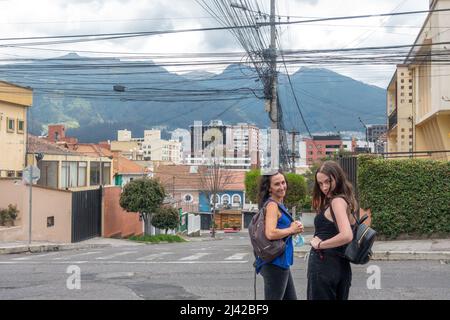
point(40, 246)
point(427, 249)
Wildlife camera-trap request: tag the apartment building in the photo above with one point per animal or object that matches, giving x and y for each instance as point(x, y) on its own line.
point(15, 102)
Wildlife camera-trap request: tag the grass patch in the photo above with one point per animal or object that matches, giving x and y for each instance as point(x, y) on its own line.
point(158, 238)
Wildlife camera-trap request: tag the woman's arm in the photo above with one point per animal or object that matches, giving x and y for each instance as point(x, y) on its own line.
point(345, 234)
point(272, 216)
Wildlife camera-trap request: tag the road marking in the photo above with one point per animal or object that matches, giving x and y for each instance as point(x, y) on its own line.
point(194, 256)
point(77, 255)
point(155, 256)
point(237, 256)
point(116, 255)
point(36, 256)
point(119, 262)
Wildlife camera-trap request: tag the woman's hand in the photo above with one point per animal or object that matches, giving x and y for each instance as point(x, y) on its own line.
point(296, 227)
point(315, 242)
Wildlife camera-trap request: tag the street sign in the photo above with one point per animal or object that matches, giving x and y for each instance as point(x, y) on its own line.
point(36, 174)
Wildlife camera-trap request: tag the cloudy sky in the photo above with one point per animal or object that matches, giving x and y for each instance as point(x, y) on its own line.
point(20, 18)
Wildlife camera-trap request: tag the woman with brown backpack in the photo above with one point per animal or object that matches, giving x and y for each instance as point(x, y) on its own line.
point(279, 224)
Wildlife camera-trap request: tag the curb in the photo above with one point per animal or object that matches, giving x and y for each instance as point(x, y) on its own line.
point(397, 255)
point(199, 239)
point(50, 247)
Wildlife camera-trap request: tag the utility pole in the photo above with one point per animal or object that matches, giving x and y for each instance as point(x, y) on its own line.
point(293, 154)
point(271, 104)
point(367, 141)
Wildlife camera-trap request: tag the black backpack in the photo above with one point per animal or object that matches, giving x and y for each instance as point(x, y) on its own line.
point(359, 250)
point(264, 248)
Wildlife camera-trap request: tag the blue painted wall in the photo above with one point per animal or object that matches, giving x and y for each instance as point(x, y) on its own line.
point(204, 204)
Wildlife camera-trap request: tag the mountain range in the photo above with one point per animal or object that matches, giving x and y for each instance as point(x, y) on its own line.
point(79, 91)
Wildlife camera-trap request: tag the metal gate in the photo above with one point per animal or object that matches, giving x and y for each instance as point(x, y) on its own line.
point(86, 214)
point(205, 221)
point(350, 167)
point(248, 216)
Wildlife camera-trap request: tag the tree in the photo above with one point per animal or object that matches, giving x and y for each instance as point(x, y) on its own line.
point(296, 192)
point(166, 218)
point(213, 179)
point(144, 196)
point(310, 177)
point(251, 185)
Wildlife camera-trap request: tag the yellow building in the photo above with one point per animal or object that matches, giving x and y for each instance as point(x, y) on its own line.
point(423, 84)
point(400, 135)
point(14, 104)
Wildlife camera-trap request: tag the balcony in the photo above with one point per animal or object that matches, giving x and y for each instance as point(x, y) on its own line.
point(393, 119)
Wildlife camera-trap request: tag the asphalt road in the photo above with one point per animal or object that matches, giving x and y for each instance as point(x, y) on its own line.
point(216, 270)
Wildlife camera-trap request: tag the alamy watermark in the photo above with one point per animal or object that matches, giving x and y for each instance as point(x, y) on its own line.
point(374, 280)
point(73, 282)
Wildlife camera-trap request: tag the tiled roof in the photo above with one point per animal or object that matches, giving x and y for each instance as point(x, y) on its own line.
point(41, 145)
point(91, 149)
point(181, 177)
point(124, 166)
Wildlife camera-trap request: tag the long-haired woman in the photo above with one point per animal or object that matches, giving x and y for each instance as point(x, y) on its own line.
point(278, 283)
point(329, 273)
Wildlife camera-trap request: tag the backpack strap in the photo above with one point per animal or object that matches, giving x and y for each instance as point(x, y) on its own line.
point(358, 221)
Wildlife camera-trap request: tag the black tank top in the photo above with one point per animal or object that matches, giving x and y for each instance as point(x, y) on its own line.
point(326, 229)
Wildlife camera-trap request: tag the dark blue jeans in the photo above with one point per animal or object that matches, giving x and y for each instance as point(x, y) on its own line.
point(329, 277)
point(278, 283)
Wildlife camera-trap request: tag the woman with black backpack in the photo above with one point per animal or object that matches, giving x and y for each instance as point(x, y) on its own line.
point(278, 283)
point(329, 272)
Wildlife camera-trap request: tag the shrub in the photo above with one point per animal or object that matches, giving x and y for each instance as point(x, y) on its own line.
point(8, 216)
point(408, 196)
point(166, 218)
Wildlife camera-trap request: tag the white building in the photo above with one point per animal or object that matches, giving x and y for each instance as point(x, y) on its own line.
point(184, 137)
point(236, 146)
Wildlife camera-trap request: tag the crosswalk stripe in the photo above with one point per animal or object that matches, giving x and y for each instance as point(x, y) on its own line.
point(118, 254)
point(237, 256)
point(35, 256)
point(77, 255)
point(194, 257)
point(154, 256)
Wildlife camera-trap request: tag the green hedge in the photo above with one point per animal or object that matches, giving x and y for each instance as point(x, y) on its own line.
point(408, 196)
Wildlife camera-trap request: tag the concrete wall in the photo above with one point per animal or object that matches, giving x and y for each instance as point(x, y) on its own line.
point(116, 221)
point(46, 203)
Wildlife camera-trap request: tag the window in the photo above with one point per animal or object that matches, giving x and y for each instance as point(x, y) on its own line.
point(217, 199)
point(10, 174)
point(70, 176)
point(11, 124)
point(20, 126)
point(50, 221)
point(188, 198)
point(49, 174)
point(236, 200)
point(106, 173)
point(403, 129)
point(95, 173)
point(402, 81)
point(225, 199)
point(410, 100)
point(82, 173)
point(410, 81)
